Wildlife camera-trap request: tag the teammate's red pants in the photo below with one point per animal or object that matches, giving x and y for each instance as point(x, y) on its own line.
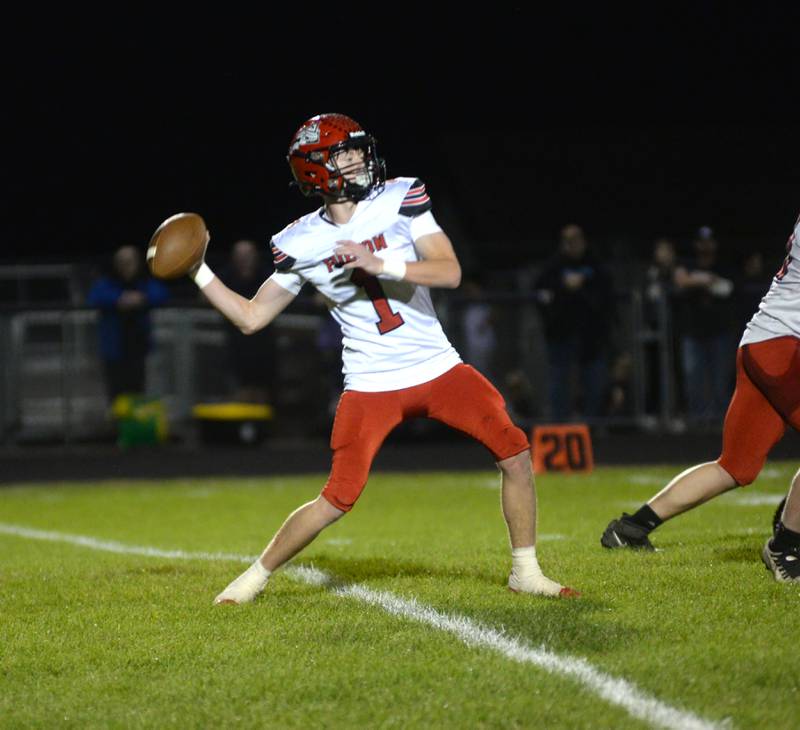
point(767, 397)
point(461, 398)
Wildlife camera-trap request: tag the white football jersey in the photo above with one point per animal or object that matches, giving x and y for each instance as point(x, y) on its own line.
point(392, 337)
point(778, 314)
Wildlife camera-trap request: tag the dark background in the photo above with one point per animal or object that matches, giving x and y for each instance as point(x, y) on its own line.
point(634, 124)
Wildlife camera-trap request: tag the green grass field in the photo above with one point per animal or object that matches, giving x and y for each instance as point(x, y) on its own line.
point(414, 627)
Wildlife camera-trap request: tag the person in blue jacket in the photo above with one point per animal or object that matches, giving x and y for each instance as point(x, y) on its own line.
point(124, 299)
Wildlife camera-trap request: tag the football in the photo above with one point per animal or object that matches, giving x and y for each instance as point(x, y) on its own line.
point(177, 245)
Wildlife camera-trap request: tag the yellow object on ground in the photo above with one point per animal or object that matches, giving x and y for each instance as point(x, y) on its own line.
point(140, 420)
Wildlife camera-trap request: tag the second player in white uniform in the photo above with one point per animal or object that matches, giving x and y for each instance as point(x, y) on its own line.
point(766, 400)
point(778, 315)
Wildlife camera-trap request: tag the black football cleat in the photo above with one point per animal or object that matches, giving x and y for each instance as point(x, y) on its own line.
point(785, 566)
point(623, 533)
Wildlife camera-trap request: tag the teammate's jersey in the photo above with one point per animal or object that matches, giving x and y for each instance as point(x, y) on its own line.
point(392, 337)
point(778, 314)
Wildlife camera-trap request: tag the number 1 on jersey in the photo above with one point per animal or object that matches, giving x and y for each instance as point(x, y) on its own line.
point(389, 320)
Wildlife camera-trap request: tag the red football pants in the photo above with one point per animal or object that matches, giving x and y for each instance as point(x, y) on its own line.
point(461, 398)
point(767, 397)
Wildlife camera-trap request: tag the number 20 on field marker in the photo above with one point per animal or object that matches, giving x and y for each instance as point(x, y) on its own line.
point(562, 447)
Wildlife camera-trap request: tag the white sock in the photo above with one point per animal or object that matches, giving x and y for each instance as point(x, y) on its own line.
point(524, 562)
point(526, 575)
point(247, 586)
point(261, 570)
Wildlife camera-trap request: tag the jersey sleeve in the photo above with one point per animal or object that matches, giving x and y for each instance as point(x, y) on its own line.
point(283, 275)
point(423, 225)
point(282, 262)
point(290, 281)
point(416, 201)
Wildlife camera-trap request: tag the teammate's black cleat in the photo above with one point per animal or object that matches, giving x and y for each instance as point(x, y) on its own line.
point(776, 518)
point(785, 565)
point(624, 533)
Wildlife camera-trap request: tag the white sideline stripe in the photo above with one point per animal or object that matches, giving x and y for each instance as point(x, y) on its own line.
point(616, 691)
point(647, 479)
point(612, 689)
point(117, 547)
point(756, 500)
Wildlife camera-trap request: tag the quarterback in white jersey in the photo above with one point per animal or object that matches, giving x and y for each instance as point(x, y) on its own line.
point(373, 250)
point(766, 400)
point(392, 337)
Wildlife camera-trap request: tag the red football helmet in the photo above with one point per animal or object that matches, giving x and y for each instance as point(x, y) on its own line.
point(312, 157)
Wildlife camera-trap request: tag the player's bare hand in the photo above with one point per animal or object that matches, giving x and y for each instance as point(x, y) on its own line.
point(573, 280)
point(359, 257)
point(202, 259)
point(131, 299)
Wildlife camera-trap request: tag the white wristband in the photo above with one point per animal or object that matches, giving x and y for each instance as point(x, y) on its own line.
point(394, 269)
point(203, 276)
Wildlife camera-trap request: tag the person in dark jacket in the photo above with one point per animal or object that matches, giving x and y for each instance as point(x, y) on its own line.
point(575, 294)
point(124, 299)
point(251, 357)
point(704, 288)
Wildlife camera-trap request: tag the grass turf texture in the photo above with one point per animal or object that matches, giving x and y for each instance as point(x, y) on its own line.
point(95, 639)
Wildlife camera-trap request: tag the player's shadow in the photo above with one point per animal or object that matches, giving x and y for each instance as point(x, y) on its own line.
point(576, 626)
point(354, 570)
point(739, 548)
point(560, 623)
point(171, 569)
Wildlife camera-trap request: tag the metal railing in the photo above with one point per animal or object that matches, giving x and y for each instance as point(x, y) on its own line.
point(52, 387)
point(52, 375)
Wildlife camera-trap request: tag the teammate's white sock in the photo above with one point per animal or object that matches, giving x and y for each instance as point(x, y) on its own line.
point(526, 575)
point(247, 586)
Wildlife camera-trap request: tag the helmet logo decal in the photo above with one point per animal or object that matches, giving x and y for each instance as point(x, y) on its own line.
point(307, 135)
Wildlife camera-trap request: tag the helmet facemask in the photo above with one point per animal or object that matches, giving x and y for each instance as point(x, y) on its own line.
point(355, 179)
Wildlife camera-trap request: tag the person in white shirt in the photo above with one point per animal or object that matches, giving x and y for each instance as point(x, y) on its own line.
point(373, 250)
point(766, 400)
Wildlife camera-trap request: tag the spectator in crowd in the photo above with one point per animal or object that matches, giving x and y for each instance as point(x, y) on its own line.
point(620, 385)
point(520, 397)
point(480, 340)
point(704, 288)
point(659, 306)
point(659, 275)
point(125, 298)
point(752, 281)
point(251, 357)
point(576, 297)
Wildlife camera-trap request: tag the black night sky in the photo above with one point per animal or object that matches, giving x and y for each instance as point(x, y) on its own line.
point(634, 126)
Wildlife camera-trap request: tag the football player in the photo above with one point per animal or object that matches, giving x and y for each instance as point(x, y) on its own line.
point(372, 250)
point(766, 399)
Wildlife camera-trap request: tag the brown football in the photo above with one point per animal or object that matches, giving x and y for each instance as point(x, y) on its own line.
point(177, 245)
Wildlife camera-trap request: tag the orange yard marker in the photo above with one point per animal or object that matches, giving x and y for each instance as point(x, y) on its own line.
point(562, 447)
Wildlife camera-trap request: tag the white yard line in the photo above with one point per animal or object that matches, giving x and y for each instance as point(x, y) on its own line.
point(612, 689)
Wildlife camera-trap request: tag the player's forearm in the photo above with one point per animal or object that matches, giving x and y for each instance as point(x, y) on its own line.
point(234, 306)
point(443, 273)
